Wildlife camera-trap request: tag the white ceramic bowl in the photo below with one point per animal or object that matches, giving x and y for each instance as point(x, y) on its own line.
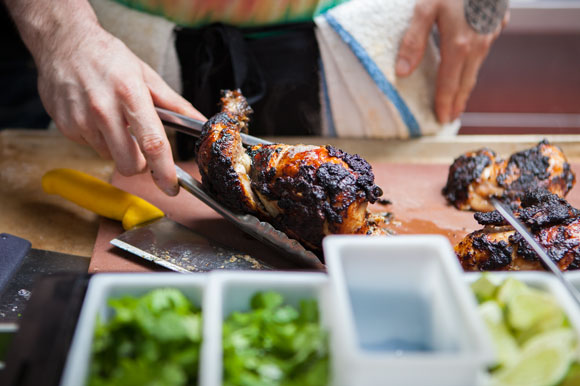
point(106, 286)
point(232, 291)
point(218, 294)
point(405, 312)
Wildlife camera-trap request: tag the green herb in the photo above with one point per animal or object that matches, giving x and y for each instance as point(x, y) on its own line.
point(275, 344)
point(150, 340)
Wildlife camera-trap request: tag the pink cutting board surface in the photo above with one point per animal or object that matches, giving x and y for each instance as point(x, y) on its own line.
point(414, 190)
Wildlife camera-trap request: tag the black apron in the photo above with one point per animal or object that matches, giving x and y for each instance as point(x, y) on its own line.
point(277, 69)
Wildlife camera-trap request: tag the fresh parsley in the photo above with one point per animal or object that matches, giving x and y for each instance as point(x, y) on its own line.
point(150, 340)
point(275, 344)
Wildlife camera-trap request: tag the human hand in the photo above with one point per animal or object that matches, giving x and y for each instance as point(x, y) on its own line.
point(462, 52)
point(99, 93)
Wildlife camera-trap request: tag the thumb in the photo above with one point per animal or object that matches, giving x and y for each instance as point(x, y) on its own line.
point(415, 40)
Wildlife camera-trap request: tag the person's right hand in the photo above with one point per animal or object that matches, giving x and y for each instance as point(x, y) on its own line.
point(99, 93)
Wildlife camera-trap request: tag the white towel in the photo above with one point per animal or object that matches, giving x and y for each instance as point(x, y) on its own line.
point(151, 38)
point(358, 42)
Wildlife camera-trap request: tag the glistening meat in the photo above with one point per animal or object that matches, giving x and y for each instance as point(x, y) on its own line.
point(306, 191)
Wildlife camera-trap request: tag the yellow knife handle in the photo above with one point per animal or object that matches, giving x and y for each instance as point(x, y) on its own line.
point(100, 197)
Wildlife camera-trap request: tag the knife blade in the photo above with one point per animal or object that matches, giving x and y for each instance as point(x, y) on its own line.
point(149, 233)
point(508, 215)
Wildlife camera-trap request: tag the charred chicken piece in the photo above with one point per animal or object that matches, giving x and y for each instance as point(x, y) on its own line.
point(477, 176)
point(554, 223)
point(305, 191)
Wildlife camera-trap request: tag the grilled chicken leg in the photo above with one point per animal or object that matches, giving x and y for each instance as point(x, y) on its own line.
point(306, 191)
point(477, 176)
point(553, 222)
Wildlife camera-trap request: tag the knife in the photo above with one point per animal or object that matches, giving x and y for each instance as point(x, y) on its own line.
point(508, 215)
point(149, 233)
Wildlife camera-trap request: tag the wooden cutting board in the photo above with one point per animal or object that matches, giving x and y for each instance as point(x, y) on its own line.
point(414, 190)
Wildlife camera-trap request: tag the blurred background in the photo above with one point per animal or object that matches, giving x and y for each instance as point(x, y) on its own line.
point(530, 82)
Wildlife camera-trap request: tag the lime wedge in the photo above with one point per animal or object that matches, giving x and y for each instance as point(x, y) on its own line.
point(505, 345)
point(565, 337)
point(526, 309)
point(483, 289)
point(509, 288)
point(543, 362)
point(491, 312)
point(550, 322)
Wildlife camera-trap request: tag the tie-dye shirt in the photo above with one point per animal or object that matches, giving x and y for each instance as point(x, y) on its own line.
point(242, 13)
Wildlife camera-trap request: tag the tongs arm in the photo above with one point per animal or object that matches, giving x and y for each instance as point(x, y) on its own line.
point(194, 127)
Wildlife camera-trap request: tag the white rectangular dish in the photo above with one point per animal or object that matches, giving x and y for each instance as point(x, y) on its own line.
point(103, 287)
point(231, 291)
point(406, 314)
point(399, 311)
point(217, 293)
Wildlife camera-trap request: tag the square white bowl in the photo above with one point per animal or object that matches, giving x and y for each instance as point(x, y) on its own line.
point(405, 312)
point(541, 280)
point(232, 291)
point(103, 287)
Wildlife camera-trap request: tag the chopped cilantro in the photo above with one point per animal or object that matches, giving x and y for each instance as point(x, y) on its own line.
point(275, 344)
point(150, 340)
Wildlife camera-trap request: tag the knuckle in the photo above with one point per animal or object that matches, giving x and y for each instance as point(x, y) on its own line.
point(98, 110)
point(126, 89)
point(422, 10)
point(462, 46)
point(126, 169)
point(153, 145)
point(412, 42)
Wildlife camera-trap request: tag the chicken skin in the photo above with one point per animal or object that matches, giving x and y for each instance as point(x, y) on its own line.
point(553, 222)
point(477, 176)
point(305, 191)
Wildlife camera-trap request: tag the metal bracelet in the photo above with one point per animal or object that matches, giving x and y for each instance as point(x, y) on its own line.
point(484, 15)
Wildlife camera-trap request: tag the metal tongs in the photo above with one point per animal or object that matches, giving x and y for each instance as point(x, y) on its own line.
point(262, 231)
point(507, 214)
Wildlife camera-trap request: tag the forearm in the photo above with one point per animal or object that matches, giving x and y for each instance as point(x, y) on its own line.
point(45, 24)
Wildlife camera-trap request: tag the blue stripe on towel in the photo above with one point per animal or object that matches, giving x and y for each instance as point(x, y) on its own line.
point(377, 75)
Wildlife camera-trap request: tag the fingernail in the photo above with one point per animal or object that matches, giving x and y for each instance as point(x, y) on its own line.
point(171, 190)
point(402, 67)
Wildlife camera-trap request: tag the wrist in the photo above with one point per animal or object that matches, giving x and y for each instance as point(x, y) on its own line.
point(46, 28)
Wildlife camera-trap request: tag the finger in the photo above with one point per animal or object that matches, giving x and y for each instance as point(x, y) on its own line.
point(506, 19)
point(124, 150)
point(68, 118)
point(95, 139)
point(448, 78)
point(150, 134)
point(108, 133)
point(415, 39)
point(165, 97)
point(466, 85)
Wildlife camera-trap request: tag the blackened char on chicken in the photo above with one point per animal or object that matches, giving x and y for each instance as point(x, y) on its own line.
point(554, 223)
point(306, 191)
point(477, 176)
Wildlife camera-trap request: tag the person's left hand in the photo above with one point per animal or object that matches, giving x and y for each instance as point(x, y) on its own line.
point(462, 52)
